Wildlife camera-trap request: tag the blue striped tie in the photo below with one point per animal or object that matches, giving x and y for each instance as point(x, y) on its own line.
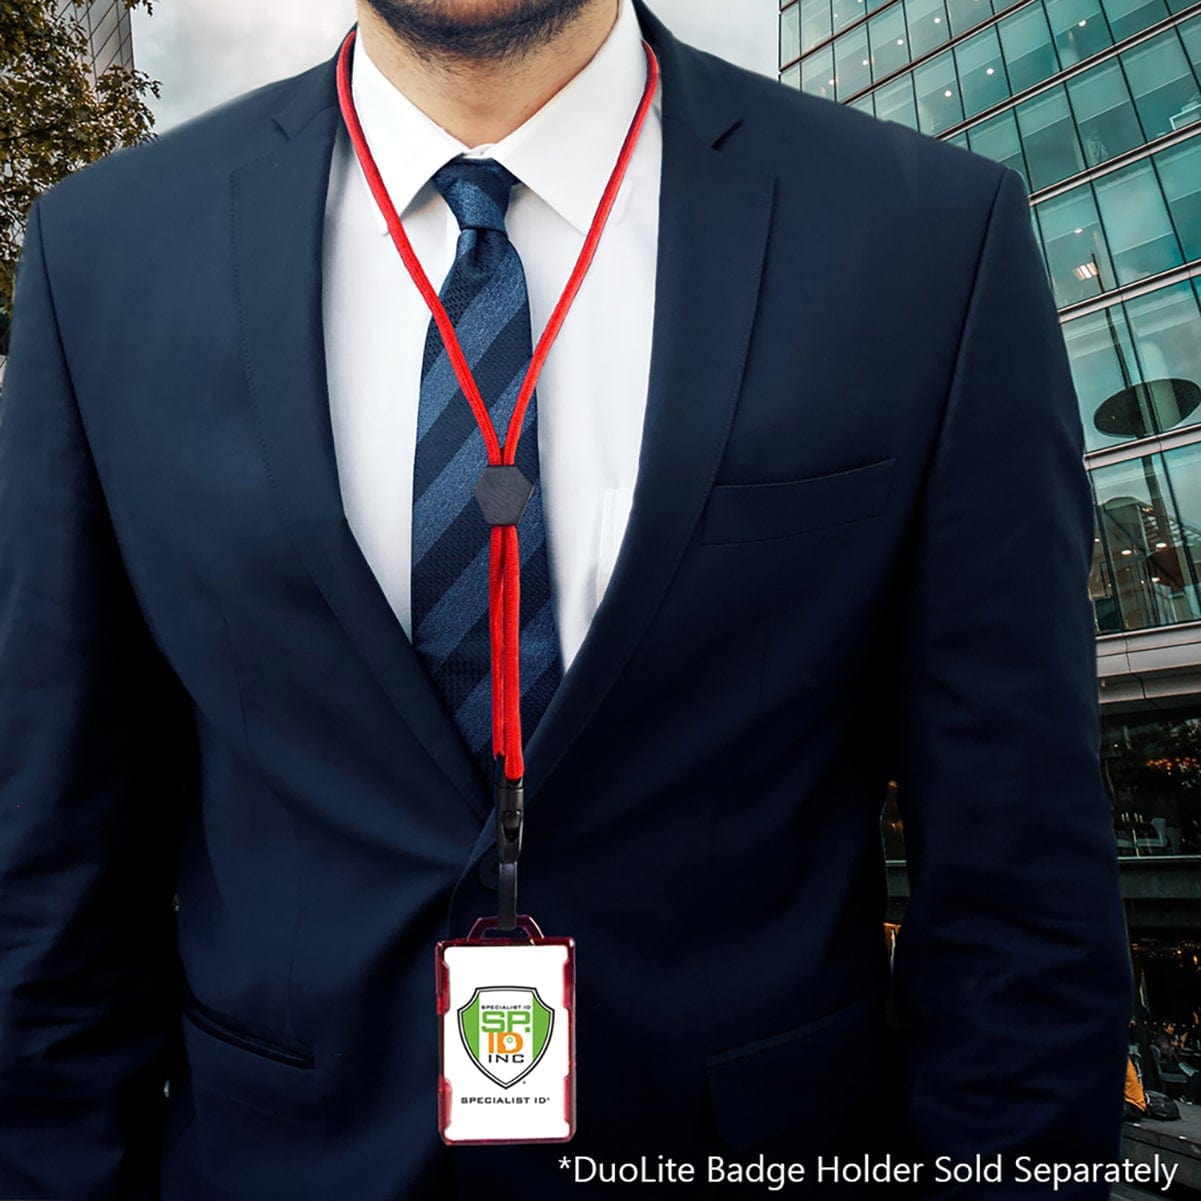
point(486, 300)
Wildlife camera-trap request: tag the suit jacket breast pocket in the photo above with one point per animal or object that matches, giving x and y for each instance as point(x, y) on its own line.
point(759, 512)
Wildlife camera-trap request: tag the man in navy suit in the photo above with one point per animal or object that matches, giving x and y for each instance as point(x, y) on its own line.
point(811, 516)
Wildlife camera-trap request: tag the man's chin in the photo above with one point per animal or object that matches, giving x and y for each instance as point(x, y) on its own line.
point(478, 29)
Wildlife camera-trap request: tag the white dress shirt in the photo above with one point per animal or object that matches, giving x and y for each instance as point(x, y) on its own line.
point(592, 392)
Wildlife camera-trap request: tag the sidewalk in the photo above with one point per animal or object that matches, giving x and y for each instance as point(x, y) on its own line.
point(1177, 1143)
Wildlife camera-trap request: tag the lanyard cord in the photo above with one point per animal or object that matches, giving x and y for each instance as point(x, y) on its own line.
point(504, 565)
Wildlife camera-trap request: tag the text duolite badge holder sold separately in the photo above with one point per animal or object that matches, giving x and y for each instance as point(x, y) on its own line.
point(505, 993)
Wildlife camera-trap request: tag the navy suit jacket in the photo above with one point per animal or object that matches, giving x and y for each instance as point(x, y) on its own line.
point(234, 819)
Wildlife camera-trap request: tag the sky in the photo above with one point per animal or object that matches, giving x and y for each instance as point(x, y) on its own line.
point(205, 51)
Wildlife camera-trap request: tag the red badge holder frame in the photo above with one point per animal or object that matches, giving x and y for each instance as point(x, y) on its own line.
point(506, 1035)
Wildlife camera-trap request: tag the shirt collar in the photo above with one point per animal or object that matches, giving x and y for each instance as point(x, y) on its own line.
point(564, 152)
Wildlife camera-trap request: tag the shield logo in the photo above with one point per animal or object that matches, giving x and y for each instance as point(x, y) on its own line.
point(506, 1032)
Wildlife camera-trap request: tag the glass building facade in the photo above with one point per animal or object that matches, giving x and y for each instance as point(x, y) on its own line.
point(1097, 105)
point(107, 25)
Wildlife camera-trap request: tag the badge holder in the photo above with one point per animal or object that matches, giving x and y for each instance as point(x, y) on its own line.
point(506, 1018)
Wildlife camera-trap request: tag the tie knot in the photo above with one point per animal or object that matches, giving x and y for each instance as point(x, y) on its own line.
point(477, 190)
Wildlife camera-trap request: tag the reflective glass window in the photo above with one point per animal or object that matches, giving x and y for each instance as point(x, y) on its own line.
point(790, 34)
point(1145, 565)
point(1137, 227)
point(1178, 520)
point(1101, 352)
point(815, 24)
point(1079, 29)
point(1162, 84)
point(997, 138)
point(1105, 113)
point(1179, 171)
point(852, 65)
point(967, 14)
point(105, 25)
point(1049, 137)
point(1029, 54)
point(1137, 366)
point(928, 25)
point(981, 72)
point(938, 100)
point(1127, 17)
point(894, 102)
point(889, 45)
point(847, 12)
point(1190, 35)
point(1148, 761)
point(1077, 256)
point(817, 73)
point(1166, 325)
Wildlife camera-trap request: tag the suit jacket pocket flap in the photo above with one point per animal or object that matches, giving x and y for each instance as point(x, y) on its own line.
point(754, 512)
point(272, 1076)
point(801, 1080)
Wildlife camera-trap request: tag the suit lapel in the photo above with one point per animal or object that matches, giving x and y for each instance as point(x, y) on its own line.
point(278, 215)
point(713, 227)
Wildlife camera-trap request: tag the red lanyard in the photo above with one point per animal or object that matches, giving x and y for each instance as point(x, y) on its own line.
point(504, 576)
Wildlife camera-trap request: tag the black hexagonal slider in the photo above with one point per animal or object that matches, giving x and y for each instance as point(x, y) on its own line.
point(502, 492)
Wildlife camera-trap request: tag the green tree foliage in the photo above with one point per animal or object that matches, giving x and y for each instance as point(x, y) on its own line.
point(55, 116)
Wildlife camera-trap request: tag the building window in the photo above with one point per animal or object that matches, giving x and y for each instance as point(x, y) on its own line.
point(1161, 82)
point(1127, 17)
point(1136, 366)
point(1029, 55)
point(815, 25)
point(847, 12)
point(817, 73)
point(928, 25)
point(1151, 763)
point(1180, 174)
point(790, 34)
point(1049, 137)
point(889, 41)
point(894, 102)
point(939, 103)
point(1148, 541)
point(853, 67)
point(997, 138)
point(1075, 248)
point(1105, 113)
point(1079, 28)
point(981, 72)
point(1137, 227)
point(967, 14)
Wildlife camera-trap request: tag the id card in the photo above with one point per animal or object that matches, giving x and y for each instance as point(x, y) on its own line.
point(506, 1014)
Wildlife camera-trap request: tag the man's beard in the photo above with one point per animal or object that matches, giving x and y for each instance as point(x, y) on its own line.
point(433, 28)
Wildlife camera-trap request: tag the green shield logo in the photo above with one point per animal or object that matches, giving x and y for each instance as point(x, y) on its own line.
point(506, 1032)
